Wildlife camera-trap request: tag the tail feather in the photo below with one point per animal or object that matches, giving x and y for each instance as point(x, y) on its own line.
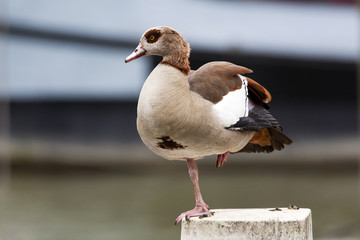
point(277, 141)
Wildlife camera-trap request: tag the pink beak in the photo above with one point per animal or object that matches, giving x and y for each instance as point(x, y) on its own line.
point(138, 52)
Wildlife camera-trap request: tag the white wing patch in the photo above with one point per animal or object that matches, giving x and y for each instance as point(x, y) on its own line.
point(233, 106)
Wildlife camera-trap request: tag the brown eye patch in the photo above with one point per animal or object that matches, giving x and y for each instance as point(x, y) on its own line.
point(152, 35)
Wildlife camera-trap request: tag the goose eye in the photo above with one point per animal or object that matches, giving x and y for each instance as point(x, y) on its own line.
point(152, 35)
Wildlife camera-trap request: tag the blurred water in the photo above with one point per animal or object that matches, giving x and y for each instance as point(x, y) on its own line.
point(135, 203)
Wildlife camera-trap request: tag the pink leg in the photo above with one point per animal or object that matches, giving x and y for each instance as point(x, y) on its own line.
point(201, 208)
point(221, 159)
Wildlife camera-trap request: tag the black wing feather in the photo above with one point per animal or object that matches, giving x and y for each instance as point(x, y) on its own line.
point(258, 119)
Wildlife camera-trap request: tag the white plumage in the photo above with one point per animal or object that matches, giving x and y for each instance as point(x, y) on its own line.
point(234, 105)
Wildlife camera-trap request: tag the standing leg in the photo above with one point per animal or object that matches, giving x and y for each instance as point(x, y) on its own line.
point(201, 208)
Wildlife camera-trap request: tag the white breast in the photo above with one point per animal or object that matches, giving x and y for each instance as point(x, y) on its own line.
point(233, 106)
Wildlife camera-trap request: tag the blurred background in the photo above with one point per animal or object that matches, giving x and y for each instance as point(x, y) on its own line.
point(72, 164)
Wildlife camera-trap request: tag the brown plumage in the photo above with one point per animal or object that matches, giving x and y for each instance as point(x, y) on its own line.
point(260, 142)
point(214, 80)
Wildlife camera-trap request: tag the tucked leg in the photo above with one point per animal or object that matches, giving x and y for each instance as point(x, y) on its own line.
point(201, 208)
point(221, 159)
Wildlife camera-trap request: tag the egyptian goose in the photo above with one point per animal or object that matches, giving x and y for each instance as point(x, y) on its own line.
point(187, 115)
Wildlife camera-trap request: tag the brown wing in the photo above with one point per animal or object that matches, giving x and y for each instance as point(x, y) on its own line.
point(216, 79)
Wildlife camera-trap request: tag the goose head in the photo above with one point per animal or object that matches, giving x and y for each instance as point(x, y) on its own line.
point(165, 42)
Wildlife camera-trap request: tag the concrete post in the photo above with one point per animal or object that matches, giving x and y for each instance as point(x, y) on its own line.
point(250, 224)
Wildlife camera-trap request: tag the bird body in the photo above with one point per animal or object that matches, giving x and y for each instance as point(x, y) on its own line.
point(215, 110)
point(178, 124)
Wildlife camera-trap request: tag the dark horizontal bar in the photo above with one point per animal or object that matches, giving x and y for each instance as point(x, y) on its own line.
point(63, 36)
